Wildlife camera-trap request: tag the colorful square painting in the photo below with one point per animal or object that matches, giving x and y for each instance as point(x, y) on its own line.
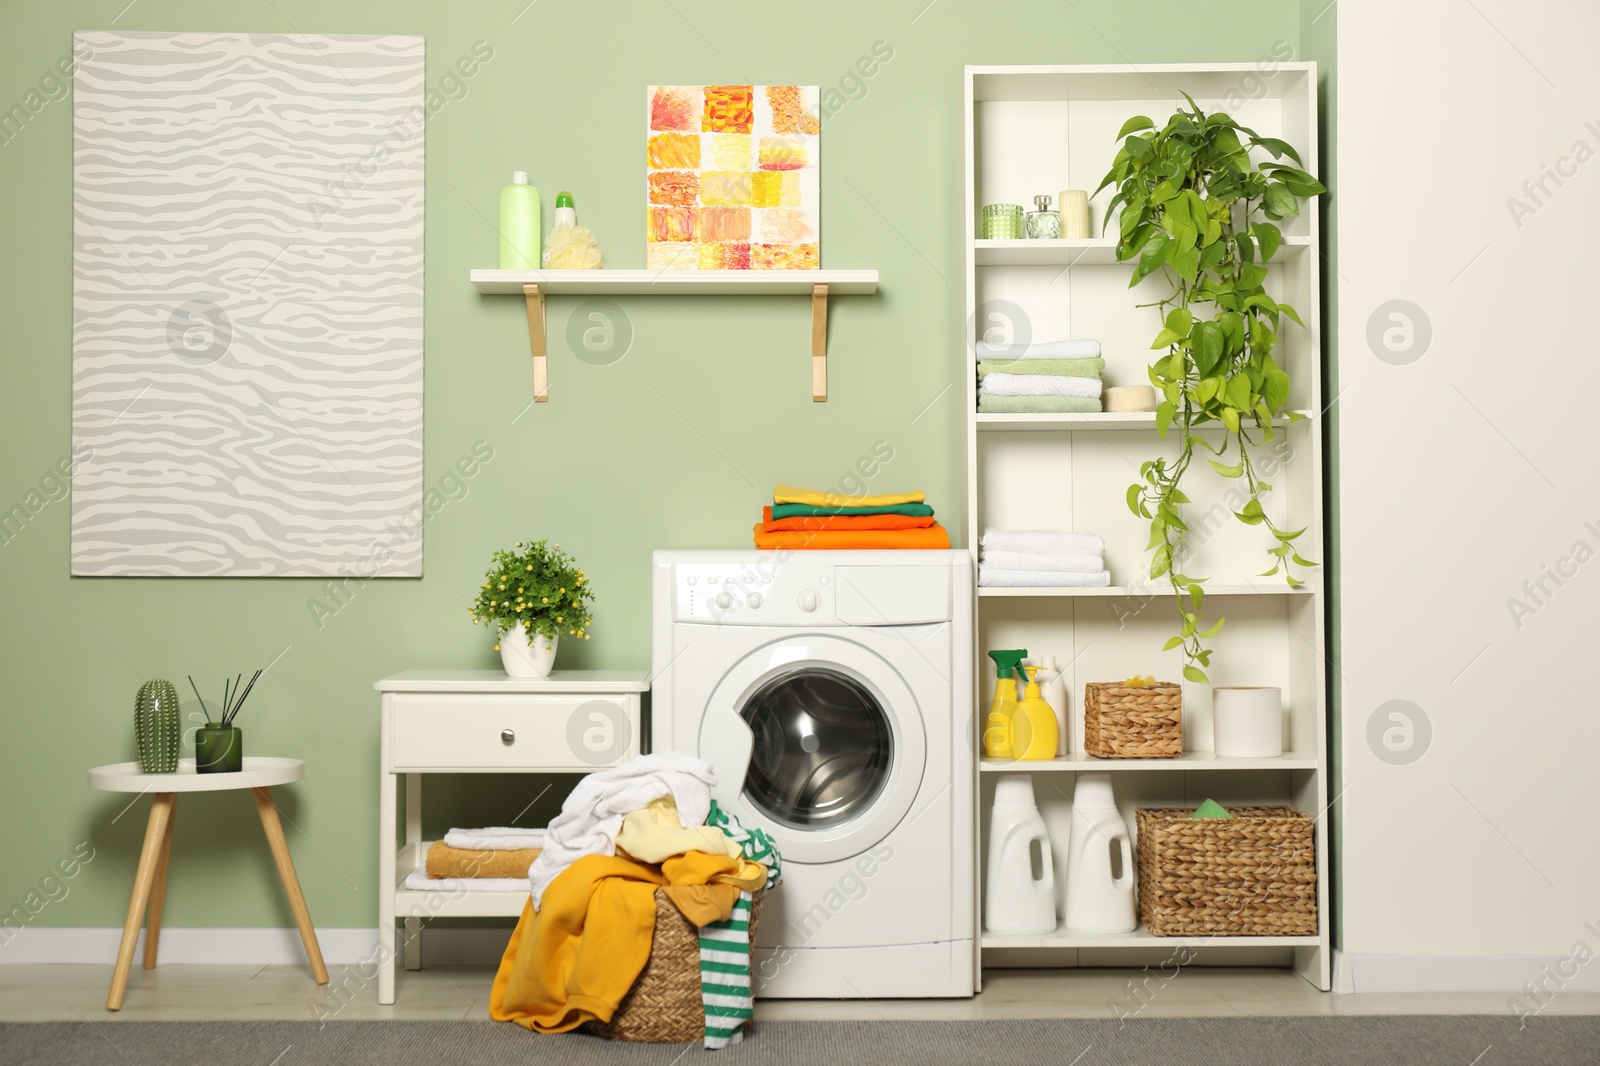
point(731, 177)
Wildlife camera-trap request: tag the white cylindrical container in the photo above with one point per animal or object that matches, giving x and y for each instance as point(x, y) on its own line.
point(1074, 206)
point(1020, 898)
point(1247, 722)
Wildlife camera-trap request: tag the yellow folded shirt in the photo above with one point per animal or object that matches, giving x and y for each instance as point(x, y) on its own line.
point(813, 498)
point(655, 834)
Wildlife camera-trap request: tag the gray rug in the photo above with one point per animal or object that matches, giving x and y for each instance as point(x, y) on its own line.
point(1420, 1041)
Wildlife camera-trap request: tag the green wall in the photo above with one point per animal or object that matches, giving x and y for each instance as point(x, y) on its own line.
point(675, 446)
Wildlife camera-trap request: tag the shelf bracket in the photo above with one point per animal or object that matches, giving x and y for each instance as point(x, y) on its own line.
point(819, 344)
point(536, 342)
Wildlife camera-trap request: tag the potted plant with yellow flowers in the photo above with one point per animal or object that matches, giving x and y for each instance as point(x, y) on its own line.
point(532, 596)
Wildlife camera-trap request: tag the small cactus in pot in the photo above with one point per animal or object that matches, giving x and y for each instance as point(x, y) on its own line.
point(155, 726)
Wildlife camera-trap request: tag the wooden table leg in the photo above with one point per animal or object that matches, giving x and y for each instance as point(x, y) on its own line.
point(291, 883)
point(154, 833)
point(158, 891)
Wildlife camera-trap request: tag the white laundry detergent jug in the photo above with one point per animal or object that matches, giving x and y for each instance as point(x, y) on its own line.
point(1021, 895)
point(1099, 862)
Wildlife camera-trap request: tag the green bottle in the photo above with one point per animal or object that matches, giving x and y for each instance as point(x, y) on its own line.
point(519, 224)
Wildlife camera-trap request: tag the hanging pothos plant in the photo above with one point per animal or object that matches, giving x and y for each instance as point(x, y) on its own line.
point(1196, 208)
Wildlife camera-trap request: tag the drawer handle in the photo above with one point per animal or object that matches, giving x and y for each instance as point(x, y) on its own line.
point(508, 736)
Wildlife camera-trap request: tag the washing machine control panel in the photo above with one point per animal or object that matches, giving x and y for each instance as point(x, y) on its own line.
point(761, 593)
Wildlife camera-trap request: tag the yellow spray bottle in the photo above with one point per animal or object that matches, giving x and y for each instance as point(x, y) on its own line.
point(997, 739)
point(1033, 731)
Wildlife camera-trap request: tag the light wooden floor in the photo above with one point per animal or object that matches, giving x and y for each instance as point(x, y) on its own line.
point(204, 993)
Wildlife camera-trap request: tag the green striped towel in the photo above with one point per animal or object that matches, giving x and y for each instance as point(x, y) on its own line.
point(725, 975)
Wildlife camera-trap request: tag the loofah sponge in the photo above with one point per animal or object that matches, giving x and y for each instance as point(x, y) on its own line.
point(572, 248)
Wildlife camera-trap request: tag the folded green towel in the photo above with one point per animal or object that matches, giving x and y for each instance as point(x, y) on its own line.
point(1069, 368)
point(805, 510)
point(1036, 405)
point(1210, 809)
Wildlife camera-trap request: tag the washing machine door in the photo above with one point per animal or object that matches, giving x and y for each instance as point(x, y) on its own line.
point(818, 740)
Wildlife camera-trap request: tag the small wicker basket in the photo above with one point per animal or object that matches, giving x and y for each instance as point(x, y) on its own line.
point(1254, 874)
point(1133, 721)
point(664, 1005)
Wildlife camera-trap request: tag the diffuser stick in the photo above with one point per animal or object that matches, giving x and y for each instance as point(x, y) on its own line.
point(199, 697)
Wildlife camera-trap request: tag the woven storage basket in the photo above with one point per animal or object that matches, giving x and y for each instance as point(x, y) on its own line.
point(1133, 722)
point(664, 1005)
point(1254, 874)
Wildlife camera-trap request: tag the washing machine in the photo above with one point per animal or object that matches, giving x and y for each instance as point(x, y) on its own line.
point(832, 692)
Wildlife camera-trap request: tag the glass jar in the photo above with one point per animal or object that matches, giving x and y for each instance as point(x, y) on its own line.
point(1001, 222)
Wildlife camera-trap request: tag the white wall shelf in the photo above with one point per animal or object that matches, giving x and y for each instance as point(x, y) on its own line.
point(1044, 129)
point(535, 285)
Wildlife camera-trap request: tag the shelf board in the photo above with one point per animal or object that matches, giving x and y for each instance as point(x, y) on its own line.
point(1146, 591)
point(1142, 938)
point(1095, 420)
point(1078, 762)
point(676, 282)
point(1091, 251)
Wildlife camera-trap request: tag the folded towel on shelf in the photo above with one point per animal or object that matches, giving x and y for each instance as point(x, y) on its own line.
point(1038, 385)
point(1068, 349)
point(445, 861)
point(1067, 368)
point(793, 494)
point(802, 510)
point(1043, 541)
point(592, 814)
point(1084, 563)
point(933, 537)
point(419, 881)
point(991, 577)
point(495, 838)
point(849, 521)
point(1036, 405)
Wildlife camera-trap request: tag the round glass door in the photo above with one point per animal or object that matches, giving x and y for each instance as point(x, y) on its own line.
point(822, 748)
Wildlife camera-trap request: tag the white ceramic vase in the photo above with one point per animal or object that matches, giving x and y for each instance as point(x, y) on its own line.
point(1247, 722)
point(523, 660)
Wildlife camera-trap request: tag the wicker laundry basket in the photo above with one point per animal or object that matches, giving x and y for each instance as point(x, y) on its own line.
point(1254, 874)
point(664, 1005)
point(1133, 721)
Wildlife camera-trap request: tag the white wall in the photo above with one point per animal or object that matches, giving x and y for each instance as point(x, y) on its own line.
point(1464, 474)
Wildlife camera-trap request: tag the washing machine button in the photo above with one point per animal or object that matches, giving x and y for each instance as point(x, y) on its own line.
point(724, 600)
point(809, 599)
point(690, 580)
point(753, 600)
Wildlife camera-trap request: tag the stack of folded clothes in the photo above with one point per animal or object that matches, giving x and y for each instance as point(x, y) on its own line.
point(1047, 377)
point(1041, 558)
point(808, 519)
point(480, 860)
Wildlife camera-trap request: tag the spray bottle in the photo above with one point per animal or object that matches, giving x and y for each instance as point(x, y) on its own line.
point(1033, 730)
point(997, 728)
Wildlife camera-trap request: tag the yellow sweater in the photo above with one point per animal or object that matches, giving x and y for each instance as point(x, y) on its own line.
point(813, 498)
point(577, 956)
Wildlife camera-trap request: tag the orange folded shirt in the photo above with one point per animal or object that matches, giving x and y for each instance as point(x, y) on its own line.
point(933, 536)
point(843, 521)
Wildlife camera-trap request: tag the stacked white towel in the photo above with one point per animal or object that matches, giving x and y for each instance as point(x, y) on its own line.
point(1039, 385)
point(1068, 349)
point(1041, 558)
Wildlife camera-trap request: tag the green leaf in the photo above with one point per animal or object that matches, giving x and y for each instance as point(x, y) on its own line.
point(1179, 320)
point(1211, 345)
point(1172, 642)
point(1197, 595)
point(1165, 339)
point(1301, 562)
point(1140, 122)
point(1276, 147)
point(1270, 238)
point(1238, 392)
point(1214, 630)
point(1230, 419)
point(1292, 313)
point(1280, 202)
point(1236, 470)
point(1134, 492)
point(1206, 390)
point(1197, 675)
point(1164, 415)
point(1187, 264)
point(1151, 257)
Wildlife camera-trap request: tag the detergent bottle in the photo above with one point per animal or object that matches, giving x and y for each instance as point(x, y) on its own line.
point(1033, 729)
point(1100, 871)
point(1021, 896)
point(1053, 687)
point(997, 740)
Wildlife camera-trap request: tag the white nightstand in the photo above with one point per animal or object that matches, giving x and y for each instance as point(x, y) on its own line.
point(481, 721)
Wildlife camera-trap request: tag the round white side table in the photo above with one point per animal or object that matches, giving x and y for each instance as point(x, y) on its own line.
point(150, 883)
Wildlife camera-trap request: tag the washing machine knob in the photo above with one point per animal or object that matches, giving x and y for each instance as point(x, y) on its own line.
point(808, 599)
point(724, 600)
point(753, 600)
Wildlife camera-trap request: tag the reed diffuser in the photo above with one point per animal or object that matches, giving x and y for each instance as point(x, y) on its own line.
point(219, 745)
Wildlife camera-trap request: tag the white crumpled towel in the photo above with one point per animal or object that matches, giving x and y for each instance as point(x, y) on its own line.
point(592, 815)
point(1039, 385)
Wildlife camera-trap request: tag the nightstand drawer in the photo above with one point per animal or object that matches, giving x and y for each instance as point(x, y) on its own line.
point(521, 732)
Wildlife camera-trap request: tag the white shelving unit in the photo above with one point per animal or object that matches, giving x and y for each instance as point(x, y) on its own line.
point(1042, 129)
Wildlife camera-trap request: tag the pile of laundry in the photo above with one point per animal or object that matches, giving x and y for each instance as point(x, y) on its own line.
point(585, 934)
point(802, 519)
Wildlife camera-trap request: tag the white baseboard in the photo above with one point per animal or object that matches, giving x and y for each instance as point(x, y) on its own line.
point(1470, 973)
point(245, 947)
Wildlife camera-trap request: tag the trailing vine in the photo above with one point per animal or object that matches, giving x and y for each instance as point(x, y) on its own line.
point(1196, 208)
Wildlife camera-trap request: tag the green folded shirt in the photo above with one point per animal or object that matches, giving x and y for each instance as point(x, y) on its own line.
point(805, 510)
point(1068, 368)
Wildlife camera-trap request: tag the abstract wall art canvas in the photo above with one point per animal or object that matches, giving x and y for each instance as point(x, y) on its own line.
point(247, 305)
point(732, 177)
